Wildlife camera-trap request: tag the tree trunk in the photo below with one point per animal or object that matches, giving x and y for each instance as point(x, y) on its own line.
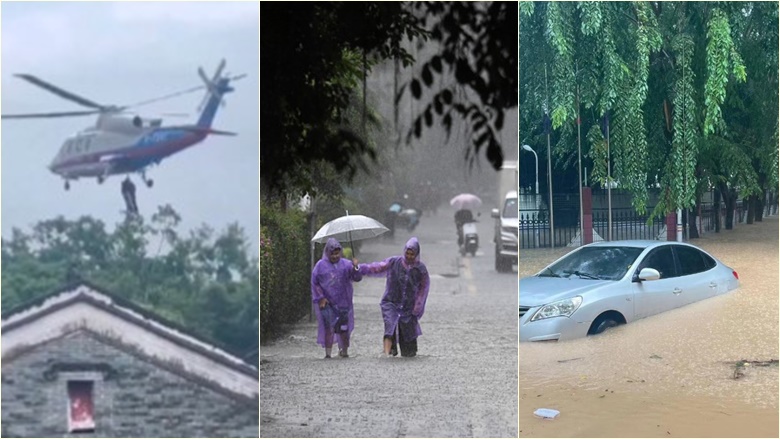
point(749, 208)
point(760, 206)
point(693, 230)
point(729, 199)
point(283, 202)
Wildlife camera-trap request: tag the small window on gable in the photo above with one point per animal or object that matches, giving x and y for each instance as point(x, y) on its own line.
point(81, 407)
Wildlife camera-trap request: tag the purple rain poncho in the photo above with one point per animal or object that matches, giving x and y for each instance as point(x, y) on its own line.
point(333, 282)
point(406, 291)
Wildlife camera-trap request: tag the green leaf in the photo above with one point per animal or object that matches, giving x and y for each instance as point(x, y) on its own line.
point(436, 63)
point(416, 89)
point(427, 76)
point(437, 105)
point(447, 96)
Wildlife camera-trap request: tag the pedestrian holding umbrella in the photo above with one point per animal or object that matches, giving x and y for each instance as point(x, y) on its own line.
point(463, 204)
point(332, 277)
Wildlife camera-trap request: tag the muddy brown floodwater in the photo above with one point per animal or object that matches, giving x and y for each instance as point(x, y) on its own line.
point(670, 375)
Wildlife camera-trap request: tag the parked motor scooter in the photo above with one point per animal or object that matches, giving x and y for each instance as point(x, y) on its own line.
point(470, 239)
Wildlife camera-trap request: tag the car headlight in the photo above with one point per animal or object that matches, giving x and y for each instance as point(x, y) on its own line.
point(561, 308)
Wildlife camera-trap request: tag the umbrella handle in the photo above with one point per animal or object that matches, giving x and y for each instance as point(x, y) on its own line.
point(349, 233)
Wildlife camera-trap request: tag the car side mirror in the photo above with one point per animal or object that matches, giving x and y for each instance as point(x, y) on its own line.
point(648, 274)
point(494, 213)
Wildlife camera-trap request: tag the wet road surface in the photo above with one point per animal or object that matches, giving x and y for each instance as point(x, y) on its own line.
point(463, 383)
point(669, 375)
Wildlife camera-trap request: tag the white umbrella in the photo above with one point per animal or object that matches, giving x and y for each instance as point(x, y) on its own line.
point(350, 227)
point(465, 201)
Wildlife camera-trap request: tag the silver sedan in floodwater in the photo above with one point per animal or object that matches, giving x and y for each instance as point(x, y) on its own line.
point(605, 284)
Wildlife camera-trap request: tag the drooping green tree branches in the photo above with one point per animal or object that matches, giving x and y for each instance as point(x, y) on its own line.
point(666, 73)
point(472, 75)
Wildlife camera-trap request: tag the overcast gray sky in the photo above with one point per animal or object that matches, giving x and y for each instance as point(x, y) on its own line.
point(120, 53)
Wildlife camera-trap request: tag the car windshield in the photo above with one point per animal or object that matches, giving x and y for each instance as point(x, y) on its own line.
point(603, 263)
point(510, 208)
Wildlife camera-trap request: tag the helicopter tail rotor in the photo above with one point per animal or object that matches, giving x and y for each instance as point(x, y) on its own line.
point(211, 84)
point(216, 87)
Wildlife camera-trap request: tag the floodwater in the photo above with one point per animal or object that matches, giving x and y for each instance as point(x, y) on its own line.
point(670, 375)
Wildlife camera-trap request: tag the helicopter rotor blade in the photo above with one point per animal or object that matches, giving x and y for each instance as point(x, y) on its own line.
point(60, 92)
point(203, 76)
point(168, 96)
point(219, 70)
point(50, 115)
point(98, 108)
point(208, 84)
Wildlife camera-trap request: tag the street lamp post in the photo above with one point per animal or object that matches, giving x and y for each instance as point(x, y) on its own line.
point(528, 148)
point(536, 193)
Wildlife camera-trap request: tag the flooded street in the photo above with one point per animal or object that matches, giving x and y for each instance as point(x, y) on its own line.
point(671, 374)
point(460, 384)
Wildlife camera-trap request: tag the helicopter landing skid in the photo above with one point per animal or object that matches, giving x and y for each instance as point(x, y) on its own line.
point(67, 185)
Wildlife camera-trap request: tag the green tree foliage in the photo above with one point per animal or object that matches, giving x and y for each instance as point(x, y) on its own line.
point(684, 143)
point(313, 57)
point(207, 282)
point(285, 269)
point(750, 108)
point(477, 67)
point(672, 75)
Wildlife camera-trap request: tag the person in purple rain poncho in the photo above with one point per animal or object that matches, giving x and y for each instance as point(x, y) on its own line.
point(331, 291)
point(403, 302)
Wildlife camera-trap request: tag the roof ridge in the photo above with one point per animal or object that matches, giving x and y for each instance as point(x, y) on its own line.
point(126, 307)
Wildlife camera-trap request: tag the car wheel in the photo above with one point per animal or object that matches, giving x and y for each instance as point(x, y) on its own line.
point(603, 323)
point(501, 264)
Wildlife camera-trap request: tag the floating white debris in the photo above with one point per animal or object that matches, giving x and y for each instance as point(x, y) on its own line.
point(546, 413)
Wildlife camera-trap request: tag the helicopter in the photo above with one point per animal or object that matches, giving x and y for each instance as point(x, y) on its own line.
point(119, 143)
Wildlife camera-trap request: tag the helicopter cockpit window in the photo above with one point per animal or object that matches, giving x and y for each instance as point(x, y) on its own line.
point(79, 144)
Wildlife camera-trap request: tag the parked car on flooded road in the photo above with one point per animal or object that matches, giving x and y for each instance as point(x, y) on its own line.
point(602, 285)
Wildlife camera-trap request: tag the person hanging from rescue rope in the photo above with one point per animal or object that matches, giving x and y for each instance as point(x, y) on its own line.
point(128, 193)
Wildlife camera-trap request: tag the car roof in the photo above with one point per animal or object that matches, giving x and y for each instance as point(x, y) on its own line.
point(642, 243)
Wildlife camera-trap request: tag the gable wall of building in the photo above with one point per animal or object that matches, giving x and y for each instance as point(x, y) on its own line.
point(132, 332)
point(133, 396)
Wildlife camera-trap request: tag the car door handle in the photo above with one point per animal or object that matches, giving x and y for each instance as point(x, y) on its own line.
point(713, 285)
point(676, 291)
